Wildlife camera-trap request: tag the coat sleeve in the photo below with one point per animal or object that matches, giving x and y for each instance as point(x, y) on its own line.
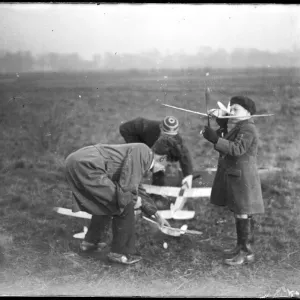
point(130, 130)
point(130, 177)
point(186, 161)
point(131, 173)
point(239, 146)
point(148, 206)
point(130, 182)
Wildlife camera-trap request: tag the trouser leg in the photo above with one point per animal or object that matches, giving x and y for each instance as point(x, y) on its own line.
point(123, 228)
point(98, 228)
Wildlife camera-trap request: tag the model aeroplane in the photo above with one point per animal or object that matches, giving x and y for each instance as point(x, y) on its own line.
point(218, 113)
point(173, 231)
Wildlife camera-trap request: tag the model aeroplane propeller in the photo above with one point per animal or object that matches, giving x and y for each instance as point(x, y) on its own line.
point(207, 99)
point(222, 107)
point(211, 114)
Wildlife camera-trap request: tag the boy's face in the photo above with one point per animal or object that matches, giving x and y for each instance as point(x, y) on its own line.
point(240, 112)
point(160, 163)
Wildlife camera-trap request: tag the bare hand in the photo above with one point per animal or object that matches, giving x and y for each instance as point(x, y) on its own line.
point(188, 180)
point(161, 221)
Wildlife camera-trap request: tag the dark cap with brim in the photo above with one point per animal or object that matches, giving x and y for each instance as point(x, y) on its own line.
point(245, 102)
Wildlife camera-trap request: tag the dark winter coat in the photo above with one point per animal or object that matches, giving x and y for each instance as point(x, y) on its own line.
point(237, 182)
point(146, 131)
point(105, 178)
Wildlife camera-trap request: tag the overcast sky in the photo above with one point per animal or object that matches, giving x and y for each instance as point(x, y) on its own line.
point(130, 28)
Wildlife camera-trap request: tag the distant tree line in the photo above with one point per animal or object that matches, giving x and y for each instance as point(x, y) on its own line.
point(204, 58)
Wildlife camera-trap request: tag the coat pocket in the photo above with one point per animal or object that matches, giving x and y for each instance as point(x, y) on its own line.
point(234, 172)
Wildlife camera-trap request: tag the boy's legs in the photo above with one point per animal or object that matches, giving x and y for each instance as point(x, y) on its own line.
point(123, 244)
point(96, 234)
point(98, 227)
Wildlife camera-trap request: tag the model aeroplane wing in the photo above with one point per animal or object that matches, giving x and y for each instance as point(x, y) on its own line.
point(172, 191)
point(68, 212)
point(233, 117)
point(191, 111)
point(220, 117)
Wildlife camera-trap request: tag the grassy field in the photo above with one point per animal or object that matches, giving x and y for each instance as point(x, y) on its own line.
point(44, 117)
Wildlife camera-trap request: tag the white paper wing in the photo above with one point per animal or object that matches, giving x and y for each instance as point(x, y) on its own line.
point(177, 215)
point(223, 107)
point(81, 235)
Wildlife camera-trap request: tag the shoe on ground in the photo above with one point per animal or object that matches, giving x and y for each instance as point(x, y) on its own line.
point(232, 252)
point(127, 259)
point(86, 246)
point(240, 259)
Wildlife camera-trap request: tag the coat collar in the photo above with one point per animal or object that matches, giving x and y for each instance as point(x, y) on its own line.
point(237, 126)
point(243, 122)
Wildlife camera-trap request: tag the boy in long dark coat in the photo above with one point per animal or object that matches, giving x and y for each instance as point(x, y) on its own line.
point(105, 182)
point(141, 130)
point(237, 182)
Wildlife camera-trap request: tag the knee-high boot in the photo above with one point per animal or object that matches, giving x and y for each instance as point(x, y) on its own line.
point(246, 254)
point(252, 225)
point(234, 251)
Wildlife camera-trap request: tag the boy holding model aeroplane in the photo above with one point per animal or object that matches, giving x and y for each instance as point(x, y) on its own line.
point(237, 182)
